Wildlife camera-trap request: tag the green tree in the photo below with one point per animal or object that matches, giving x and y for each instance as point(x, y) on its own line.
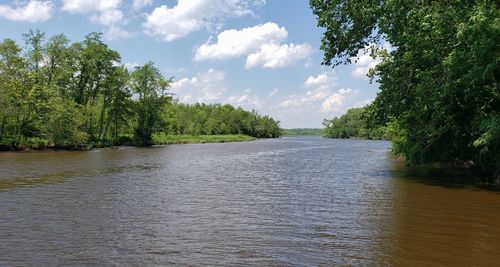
point(438, 86)
point(65, 126)
point(54, 92)
point(13, 94)
point(151, 88)
point(353, 123)
point(96, 65)
point(60, 64)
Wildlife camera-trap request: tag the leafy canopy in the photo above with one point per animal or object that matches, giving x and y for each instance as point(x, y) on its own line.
point(439, 85)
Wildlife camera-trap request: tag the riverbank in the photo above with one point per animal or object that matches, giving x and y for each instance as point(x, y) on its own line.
point(303, 132)
point(164, 139)
point(158, 139)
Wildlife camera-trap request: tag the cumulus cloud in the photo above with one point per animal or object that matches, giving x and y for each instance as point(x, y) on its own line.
point(364, 61)
point(320, 95)
point(336, 101)
point(117, 33)
point(206, 87)
point(261, 44)
point(363, 65)
point(103, 12)
point(275, 56)
point(246, 100)
point(108, 17)
point(171, 23)
point(33, 11)
point(306, 99)
point(210, 87)
point(139, 4)
point(89, 6)
point(324, 79)
point(235, 43)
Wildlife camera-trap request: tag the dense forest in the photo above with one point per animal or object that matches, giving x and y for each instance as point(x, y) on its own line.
point(438, 80)
point(216, 119)
point(354, 124)
point(57, 93)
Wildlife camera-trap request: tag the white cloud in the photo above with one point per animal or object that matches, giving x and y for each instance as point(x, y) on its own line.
point(207, 87)
point(108, 17)
point(89, 6)
point(277, 56)
point(320, 95)
point(235, 43)
point(363, 65)
point(103, 12)
point(131, 65)
point(139, 4)
point(210, 87)
point(247, 100)
point(324, 79)
point(33, 11)
point(116, 33)
point(261, 44)
point(335, 102)
point(364, 61)
point(187, 16)
point(306, 99)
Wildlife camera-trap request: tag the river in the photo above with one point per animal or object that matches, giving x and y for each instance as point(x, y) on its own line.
point(298, 201)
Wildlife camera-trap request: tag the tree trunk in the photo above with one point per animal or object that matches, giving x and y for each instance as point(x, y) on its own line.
point(2, 128)
point(101, 122)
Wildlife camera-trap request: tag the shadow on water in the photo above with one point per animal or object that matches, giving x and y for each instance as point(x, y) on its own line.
point(447, 177)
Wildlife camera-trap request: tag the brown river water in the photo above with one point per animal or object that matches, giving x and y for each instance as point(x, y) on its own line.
point(300, 201)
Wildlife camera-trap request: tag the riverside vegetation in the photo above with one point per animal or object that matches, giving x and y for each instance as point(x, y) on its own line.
point(439, 95)
point(303, 132)
point(354, 124)
point(54, 93)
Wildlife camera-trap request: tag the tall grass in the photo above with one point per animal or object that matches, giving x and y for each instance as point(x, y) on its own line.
point(164, 139)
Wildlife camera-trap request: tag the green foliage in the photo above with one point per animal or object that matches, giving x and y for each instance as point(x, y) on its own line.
point(353, 124)
point(216, 119)
point(57, 93)
point(148, 83)
point(438, 87)
point(64, 128)
point(303, 132)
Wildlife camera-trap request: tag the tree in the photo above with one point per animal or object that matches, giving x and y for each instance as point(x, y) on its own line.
point(151, 88)
point(438, 86)
point(12, 91)
point(353, 123)
point(120, 102)
point(65, 126)
point(60, 64)
point(57, 93)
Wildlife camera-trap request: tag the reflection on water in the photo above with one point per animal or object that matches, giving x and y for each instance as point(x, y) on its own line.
point(444, 223)
point(292, 201)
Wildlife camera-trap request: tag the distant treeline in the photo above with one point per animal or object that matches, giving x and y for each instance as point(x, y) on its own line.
point(303, 132)
point(57, 93)
point(216, 119)
point(354, 124)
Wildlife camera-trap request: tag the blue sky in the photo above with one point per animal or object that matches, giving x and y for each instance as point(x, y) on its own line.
point(259, 54)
